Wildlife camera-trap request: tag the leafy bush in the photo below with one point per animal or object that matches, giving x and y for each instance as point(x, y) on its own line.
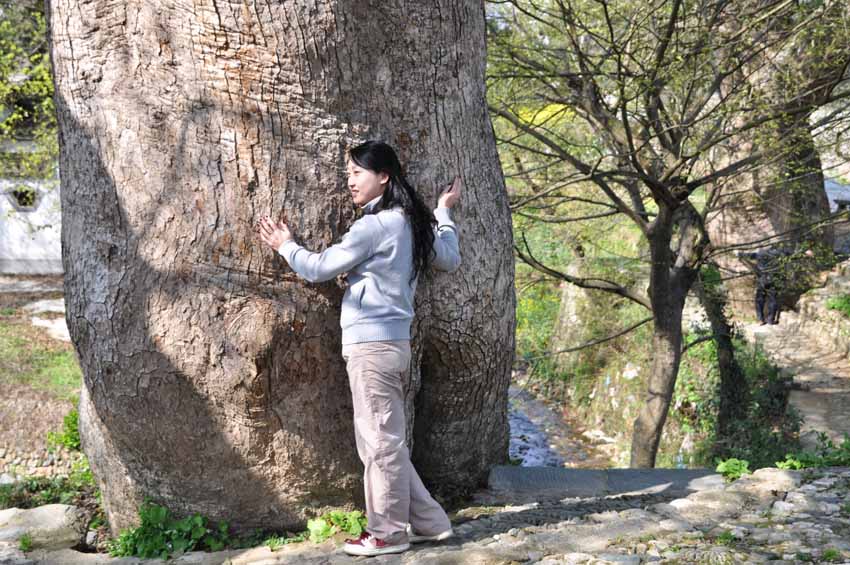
point(733, 469)
point(840, 303)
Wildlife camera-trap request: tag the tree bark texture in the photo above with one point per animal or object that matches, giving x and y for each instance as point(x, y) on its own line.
point(213, 379)
point(670, 278)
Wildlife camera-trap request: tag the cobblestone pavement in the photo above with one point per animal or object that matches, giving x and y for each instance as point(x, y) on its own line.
point(772, 515)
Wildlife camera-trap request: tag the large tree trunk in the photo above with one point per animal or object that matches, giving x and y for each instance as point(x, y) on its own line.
point(213, 380)
point(670, 278)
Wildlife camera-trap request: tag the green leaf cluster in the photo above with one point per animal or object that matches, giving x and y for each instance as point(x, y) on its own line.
point(69, 437)
point(733, 469)
point(161, 535)
point(28, 134)
point(325, 526)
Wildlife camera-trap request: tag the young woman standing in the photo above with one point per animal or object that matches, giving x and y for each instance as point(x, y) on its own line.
point(384, 252)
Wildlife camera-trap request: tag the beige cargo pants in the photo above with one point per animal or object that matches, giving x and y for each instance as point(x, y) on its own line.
point(395, 495)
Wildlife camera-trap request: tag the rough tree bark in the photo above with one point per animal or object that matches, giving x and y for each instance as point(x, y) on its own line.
point(213, 380)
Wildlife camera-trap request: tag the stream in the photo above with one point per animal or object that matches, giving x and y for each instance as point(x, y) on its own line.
point(542, 437)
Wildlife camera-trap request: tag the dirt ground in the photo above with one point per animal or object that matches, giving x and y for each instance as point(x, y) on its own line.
point(27, 413)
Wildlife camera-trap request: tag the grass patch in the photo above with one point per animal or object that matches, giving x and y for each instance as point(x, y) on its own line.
point(28, 357)
point(840, 303)
point(25, 543)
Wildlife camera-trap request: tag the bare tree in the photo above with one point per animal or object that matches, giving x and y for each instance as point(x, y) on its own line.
point(653, 112)
point(213, 380)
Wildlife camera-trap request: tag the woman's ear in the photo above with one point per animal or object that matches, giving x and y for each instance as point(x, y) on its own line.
point(384, 178)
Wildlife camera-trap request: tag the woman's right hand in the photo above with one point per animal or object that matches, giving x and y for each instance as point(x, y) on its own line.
point(451, 195)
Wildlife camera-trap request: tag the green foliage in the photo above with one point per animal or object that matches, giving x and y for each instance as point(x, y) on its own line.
point(38, 491)
point(70, 435)
point(725, 538)
point(276, 542)
point(161, 535)
point(323, 527)
point(840, 303)
point(826, 454)
point(25, 543)
point(27, 113)
point(771, 425)
point(831, 555)
point(733, 469)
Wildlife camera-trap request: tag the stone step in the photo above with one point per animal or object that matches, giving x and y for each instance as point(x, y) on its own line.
point(527, 484)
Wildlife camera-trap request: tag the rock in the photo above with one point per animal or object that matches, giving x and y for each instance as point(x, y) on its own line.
point(7, 479)
point(575, 558)
point(53, 526)
point(10, 554)
point(782, 507)
point(91, 538)
point(619, 558)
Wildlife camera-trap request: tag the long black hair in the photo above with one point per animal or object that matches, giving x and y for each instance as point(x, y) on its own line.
point(379, 157)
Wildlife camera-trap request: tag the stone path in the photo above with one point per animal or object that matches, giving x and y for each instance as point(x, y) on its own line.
point(821, 376)
point(779, 516)
point(813, 346)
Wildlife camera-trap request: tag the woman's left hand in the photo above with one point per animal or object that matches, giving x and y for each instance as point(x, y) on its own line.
point(274, 235)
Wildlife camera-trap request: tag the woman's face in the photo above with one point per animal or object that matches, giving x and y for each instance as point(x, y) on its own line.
point(365, 184)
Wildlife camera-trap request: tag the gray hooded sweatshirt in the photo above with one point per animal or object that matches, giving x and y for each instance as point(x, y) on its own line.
point(377, 254)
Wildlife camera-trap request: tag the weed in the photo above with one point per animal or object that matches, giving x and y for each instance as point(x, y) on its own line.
point(325, 526)
point(733, 469)
point(25, 543)
point(70, 435)
point(826, 454)
point(160, 535)
point(38, 491)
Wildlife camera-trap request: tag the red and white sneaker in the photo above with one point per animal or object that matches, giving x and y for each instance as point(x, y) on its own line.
point(419, 538)
point(369, 545)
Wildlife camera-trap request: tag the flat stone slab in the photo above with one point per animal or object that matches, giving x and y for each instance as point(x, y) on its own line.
point(57, 329)
point(531, 483)
point(56, 306)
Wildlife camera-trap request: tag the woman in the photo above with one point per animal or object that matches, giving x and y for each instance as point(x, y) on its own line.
point(384, 252)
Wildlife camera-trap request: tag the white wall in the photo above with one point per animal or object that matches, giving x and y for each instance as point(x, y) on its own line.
point(30, 240)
